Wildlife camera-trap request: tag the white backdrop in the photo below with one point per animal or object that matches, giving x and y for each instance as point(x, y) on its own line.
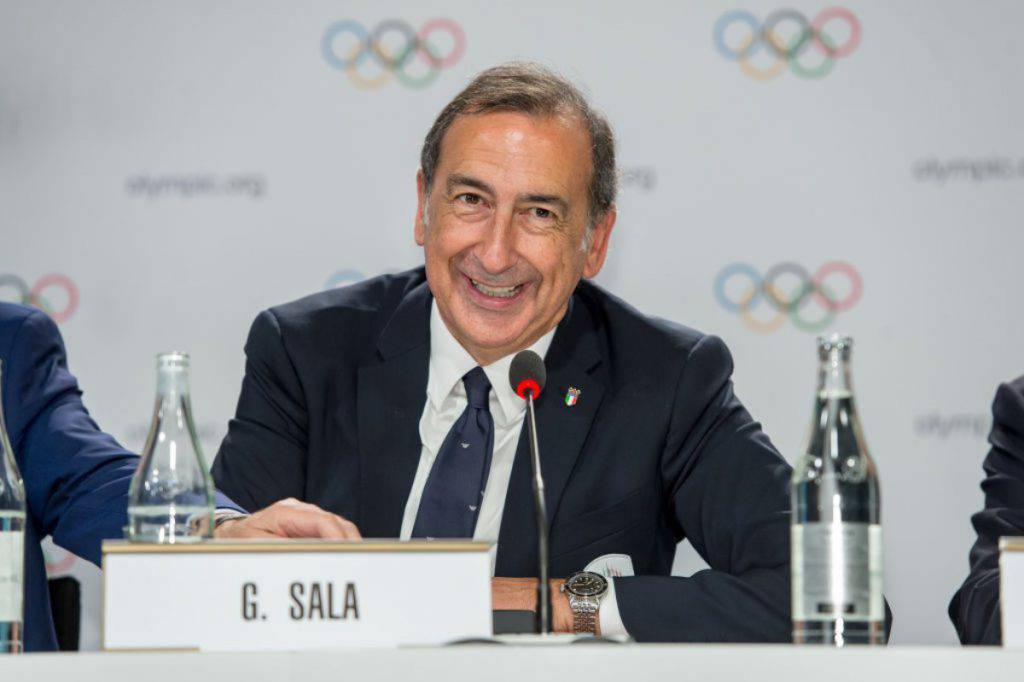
point(184, 165)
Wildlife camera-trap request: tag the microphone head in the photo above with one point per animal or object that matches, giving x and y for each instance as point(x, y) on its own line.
point(527, 374)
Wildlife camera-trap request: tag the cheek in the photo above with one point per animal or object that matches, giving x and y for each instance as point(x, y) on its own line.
point(555, 259)
point(443, 241)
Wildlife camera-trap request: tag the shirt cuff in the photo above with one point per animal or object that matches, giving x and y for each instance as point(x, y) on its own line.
point(222, 514)
point(608, 613)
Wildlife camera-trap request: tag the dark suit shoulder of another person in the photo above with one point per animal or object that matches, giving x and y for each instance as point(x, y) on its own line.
point(975, 607)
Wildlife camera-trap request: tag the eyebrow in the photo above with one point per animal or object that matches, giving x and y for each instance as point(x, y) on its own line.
point(457, 179)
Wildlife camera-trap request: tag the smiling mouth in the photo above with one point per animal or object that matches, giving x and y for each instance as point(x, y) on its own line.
point(495, 292)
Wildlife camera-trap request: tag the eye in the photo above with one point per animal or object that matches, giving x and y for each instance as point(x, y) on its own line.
point(541, 213)
point(469, 198)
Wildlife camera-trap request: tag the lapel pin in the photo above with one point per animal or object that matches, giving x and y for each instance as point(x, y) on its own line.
point(572, 395)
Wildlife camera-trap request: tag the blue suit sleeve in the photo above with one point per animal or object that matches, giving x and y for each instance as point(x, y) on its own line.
point(76, 477)
point(974, 609)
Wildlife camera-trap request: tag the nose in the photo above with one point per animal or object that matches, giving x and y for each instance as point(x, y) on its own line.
point(497, 251)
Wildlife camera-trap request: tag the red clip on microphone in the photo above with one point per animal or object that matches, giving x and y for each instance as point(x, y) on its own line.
point(528, 385)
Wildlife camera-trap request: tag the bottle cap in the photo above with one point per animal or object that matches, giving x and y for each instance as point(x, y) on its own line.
point(172, 360)
point(835, 341)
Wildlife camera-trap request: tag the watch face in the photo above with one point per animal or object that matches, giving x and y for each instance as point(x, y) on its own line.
point(587, 584)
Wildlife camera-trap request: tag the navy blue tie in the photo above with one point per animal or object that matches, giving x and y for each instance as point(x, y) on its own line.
point(455, 487)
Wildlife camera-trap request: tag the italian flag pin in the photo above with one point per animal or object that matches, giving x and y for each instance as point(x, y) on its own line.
point(571, 396)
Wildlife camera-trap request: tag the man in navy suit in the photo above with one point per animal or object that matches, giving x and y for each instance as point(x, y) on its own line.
point(388, 402)
point(76, 477)
point(975, 606)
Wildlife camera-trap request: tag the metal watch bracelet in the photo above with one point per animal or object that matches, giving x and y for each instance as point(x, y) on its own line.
point(584, 620)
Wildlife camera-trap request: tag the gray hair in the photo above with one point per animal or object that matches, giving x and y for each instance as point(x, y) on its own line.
point(535, 90)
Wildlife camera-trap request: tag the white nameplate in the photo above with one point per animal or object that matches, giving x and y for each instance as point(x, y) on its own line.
point(289, 595)
point(1011, 591)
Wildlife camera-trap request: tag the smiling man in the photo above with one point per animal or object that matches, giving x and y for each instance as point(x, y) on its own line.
point(388, 402)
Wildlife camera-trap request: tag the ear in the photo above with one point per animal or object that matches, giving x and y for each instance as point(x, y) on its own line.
point(599, 239)
point(420, 230)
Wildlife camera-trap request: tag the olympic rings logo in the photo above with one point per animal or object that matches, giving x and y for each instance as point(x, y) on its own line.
point(36, 295)
point(795, 303)
point(809, 36)
point(414, 62)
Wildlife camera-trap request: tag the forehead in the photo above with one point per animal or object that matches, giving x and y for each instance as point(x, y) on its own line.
point(518, 147)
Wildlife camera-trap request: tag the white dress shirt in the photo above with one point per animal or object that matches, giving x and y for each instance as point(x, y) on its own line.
point(446, 400)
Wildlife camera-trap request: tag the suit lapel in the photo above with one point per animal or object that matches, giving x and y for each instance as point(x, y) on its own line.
point(391, 394)
point(561, 433)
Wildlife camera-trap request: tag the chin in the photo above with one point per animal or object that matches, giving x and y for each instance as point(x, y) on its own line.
point(492, 343)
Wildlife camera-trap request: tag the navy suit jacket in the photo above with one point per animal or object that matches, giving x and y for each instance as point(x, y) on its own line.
point(656, 449)
point(76, 477)
point(975, 607)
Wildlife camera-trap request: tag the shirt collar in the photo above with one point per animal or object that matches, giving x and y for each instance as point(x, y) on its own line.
point(449, 362)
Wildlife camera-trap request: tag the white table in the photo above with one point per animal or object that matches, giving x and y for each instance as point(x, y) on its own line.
point(622, 663)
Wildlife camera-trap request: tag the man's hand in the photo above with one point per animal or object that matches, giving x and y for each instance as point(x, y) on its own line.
point(289, 519)
point(520, 594)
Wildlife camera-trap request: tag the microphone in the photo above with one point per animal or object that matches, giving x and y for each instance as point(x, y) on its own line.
point(527, 376)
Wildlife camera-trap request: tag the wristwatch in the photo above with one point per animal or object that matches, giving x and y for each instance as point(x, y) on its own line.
point(585, 590)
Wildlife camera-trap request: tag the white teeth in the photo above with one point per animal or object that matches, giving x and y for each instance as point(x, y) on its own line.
point(497, 292)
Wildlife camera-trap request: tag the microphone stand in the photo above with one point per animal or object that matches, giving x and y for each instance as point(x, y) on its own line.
point(544, 587)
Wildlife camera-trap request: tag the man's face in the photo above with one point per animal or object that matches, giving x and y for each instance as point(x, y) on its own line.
point(505, 222)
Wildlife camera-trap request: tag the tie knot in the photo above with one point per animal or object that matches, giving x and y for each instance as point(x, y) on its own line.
point(477, 388)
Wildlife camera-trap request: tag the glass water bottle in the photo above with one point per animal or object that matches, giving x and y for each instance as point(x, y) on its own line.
point(12, 542)
point(171, 496)
point(836, 531)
